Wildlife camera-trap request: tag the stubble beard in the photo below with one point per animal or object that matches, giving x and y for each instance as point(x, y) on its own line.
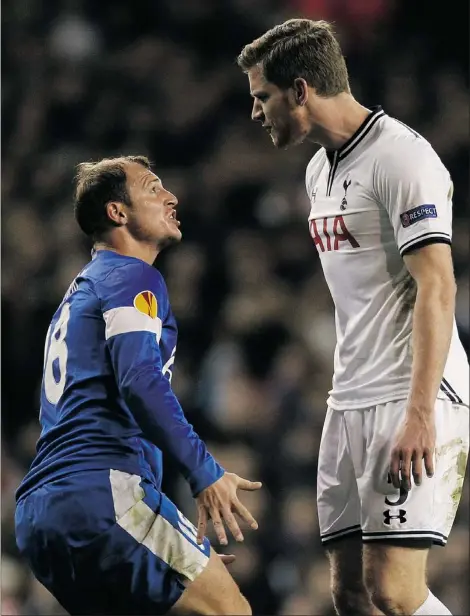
point(142, 235)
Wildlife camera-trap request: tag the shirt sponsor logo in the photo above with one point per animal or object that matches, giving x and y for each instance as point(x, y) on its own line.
point(146, 302)
point(418, 213)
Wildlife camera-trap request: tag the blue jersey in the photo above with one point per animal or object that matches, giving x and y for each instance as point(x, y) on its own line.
point(106, 396)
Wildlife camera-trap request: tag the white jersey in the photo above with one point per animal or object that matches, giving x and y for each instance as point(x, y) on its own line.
point(383, 193)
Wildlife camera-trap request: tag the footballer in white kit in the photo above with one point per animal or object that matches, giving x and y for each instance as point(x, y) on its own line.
point(384, 193)
point(395, 440)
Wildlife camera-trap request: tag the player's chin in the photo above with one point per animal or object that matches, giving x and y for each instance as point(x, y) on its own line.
point(173, 231)
point(175, 236)
point(281, 141)
point(169, 239)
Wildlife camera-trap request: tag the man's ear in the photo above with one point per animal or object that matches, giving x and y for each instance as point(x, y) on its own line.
point(300, 91)
point(116, 213)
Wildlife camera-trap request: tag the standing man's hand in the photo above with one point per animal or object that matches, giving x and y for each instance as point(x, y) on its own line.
point(219, 502)
point(415, 442)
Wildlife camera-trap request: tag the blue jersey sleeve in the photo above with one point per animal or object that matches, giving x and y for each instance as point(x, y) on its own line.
point(135, 304)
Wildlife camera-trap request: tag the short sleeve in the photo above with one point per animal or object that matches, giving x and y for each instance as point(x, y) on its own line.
point(415, 188)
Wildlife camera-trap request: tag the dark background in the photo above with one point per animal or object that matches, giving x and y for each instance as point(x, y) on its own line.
point(84, 79)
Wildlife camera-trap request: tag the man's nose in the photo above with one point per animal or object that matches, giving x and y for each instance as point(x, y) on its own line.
point(172, 200)
point(257, 112)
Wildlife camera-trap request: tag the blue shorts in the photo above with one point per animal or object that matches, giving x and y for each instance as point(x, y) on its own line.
point(108, 542)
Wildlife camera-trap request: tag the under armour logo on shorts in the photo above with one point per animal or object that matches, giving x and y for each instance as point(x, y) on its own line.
point(388, 516)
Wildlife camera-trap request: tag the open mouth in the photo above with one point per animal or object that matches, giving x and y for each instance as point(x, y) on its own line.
point(174, 219)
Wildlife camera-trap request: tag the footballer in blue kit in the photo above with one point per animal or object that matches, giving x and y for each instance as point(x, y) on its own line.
point(91, 519)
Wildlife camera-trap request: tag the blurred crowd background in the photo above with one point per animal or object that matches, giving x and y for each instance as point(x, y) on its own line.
point(84, 79)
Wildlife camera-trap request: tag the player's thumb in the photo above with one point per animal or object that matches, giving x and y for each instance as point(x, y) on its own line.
point(227, 559)
point(245, 484)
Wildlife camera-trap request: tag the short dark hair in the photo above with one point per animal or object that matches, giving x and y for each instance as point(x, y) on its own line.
point(299, 48)
point(98, 183)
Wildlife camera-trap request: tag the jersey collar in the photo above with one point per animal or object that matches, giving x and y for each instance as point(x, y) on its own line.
point(353, 141)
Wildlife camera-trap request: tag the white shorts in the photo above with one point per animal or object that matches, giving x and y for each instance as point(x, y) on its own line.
point(353, 491)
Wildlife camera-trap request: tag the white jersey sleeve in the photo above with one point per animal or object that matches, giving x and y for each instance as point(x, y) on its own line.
point(416, 190)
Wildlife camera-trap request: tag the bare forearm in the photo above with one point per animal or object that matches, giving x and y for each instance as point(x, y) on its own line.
point(432, 333)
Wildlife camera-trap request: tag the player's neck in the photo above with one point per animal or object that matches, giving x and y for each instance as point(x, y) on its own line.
point(130, 247)
point(336, 120)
